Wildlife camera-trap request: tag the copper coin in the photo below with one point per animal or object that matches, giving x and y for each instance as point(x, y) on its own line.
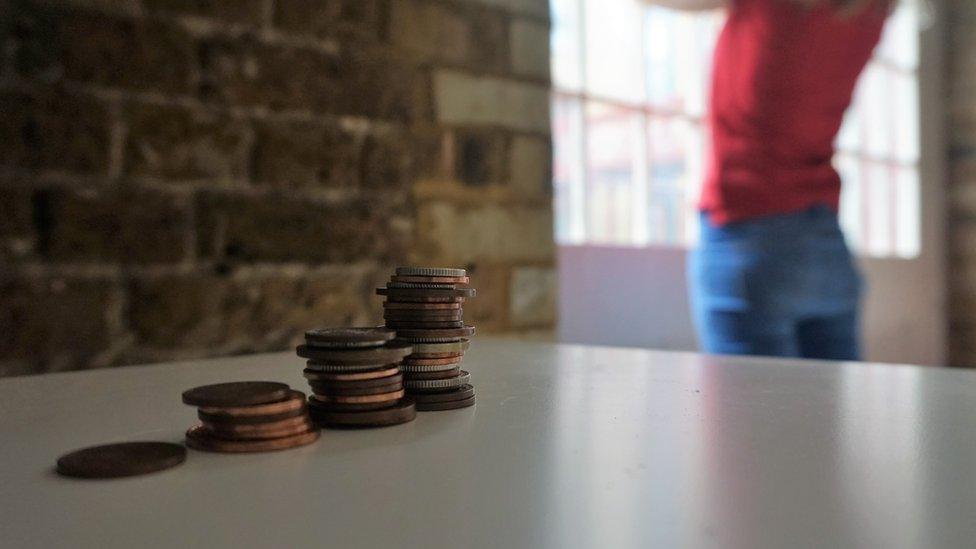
point(294, 400)
point(361, 399)
point(422, 335)
point(236, 393)
point(357, 383)
point(417, 306)
point(313, 375)
point(328, 391)
point(401, 320)
point(429, 316)
point(447, 405)
point(240, 420)
point(199, 439)
point(123, 459)
point(451, 347)
point(314, 405)
point(245, 428)
point(435, 374)
point(430, 271)
point(261, 434)
point(431, 279)
point(387, 354)
point(401, 412)
point(411, 361)
point(461, 393)
point(397, 295)
point(348, 337)
point(423, 325)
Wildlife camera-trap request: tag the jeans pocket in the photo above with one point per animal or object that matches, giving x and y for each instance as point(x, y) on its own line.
point(719, 281)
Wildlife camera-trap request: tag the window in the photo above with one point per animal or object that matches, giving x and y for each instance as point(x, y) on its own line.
point(629, 96)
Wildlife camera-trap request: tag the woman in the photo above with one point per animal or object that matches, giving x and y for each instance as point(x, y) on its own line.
point(773, 275)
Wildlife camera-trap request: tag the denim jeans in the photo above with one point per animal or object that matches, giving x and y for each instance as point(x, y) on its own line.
point(783, 285)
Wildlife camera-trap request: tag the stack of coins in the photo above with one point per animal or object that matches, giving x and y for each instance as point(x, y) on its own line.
point(423, 305)
point(249, 416)
point(355, 376)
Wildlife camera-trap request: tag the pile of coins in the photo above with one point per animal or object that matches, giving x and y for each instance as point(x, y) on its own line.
point(355, 377)
point(423, 305)
point(249, 416)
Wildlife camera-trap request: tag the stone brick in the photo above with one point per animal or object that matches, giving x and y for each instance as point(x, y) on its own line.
point(250, 12)
point(458, 34)
point(55, 323)
point(49, 128)
point(530, 163)
point(386, 163)
point(176, 143)
point(246, 311)
point(530, 48)
point(480, 157)
point(103, 225)
point(463, 99)
point(431, 31)
point(488, 311)
point(465, 234)
point(345, 19)
point(16, 223)
point(284, 227)
point(305, 153)
point(533, 297)
point(243, 71)
point(538, 8)
point(102, 49)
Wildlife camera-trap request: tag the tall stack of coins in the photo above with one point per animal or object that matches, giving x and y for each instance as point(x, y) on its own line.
point(423, 305)
point(355, 376)
point(249, 416)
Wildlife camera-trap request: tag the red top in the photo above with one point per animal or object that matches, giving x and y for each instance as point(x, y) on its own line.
point(782, 77)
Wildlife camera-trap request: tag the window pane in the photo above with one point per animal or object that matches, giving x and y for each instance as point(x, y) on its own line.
point(669, 148)
point(909, 208)
point(565, 41)
point(904, 94)
point(567, 170)
point(875, 106)
point(851, 204)
point(899, 43)
point(879, 184)
point(613, 50)
point(612, 153)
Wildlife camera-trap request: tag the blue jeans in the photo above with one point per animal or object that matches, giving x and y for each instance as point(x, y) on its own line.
point(782, 285)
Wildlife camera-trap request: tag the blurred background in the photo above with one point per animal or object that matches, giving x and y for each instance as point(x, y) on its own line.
point(186, 178)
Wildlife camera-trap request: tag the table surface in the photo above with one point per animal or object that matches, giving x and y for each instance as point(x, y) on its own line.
point(568, 446)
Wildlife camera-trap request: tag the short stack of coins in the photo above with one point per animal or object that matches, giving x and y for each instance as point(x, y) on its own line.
point(355, 377)
point(424, 306)
point(249, 416)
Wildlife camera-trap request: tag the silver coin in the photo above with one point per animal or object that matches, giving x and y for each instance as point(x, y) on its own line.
point(436, 384)
point(339, 368)
point(421, 368)
point(349, 337)
point(420, 285)
point(430, 271)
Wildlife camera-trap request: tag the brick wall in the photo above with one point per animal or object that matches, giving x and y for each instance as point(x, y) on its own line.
point(960, 17)
point(184, 178)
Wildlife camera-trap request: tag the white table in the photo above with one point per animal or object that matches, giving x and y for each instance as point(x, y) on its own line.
point(567, 447)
